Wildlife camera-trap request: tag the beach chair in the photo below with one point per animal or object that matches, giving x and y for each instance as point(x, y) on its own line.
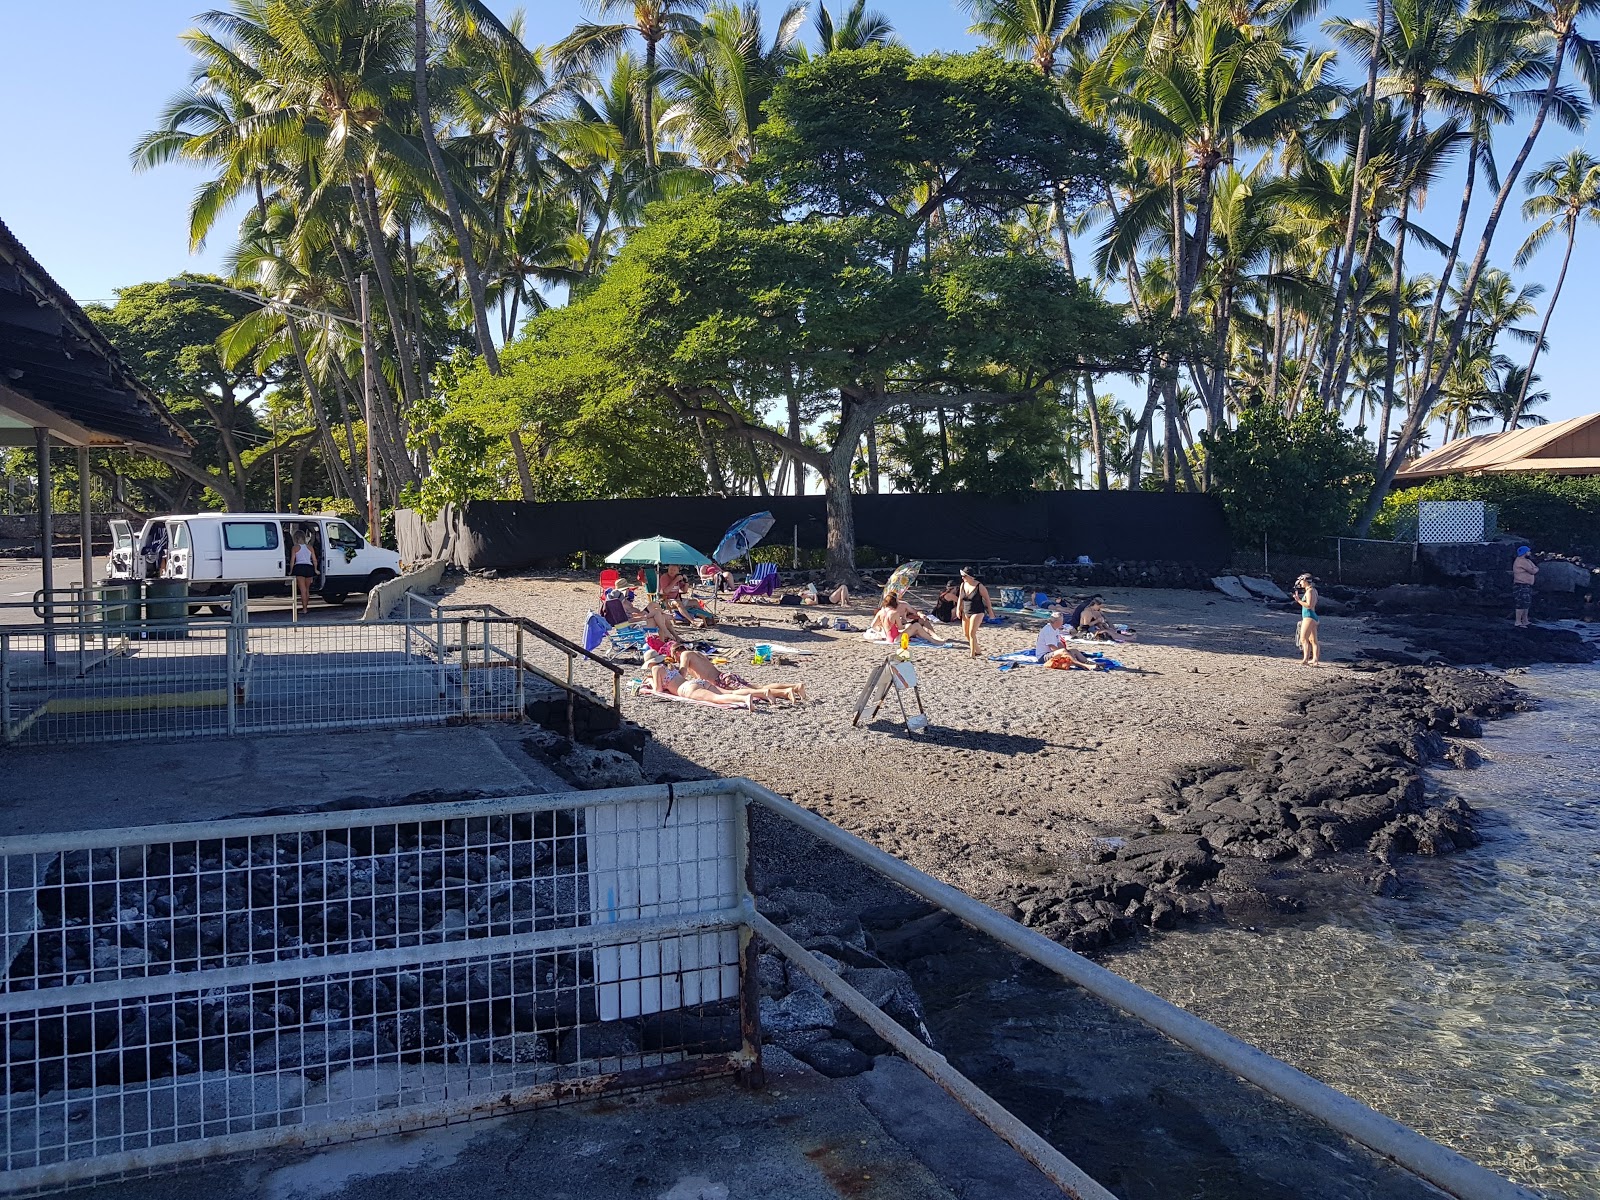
point(609, 579)
point(764, 582)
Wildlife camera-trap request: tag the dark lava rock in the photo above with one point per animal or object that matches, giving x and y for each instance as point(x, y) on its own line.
point(1465, 639)
point(316, 1052)
point(834, 1057)
point(1345, 773)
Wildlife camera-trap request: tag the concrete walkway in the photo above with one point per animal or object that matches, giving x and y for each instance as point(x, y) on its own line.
point(53, 788)
point(890, 1134)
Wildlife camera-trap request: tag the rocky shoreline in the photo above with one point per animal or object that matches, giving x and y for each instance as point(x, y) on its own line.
point(1345, 775)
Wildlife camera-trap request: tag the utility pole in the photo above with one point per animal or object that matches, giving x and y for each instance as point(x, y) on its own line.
point(372, 430)
point(277, 488)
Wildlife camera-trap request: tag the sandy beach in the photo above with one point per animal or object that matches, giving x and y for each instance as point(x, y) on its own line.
point(1021, 768)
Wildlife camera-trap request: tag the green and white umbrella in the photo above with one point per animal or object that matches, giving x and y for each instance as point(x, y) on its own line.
point(657, 551)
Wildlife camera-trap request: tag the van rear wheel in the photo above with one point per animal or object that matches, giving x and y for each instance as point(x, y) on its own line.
point(335, 597)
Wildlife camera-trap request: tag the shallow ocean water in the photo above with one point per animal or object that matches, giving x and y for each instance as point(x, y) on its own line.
point(1468, 1007)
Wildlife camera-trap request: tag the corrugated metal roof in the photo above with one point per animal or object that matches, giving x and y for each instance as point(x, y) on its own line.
point(1514, 450)
point(59, 370)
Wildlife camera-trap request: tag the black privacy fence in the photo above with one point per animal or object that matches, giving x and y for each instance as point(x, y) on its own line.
point(1031, 527)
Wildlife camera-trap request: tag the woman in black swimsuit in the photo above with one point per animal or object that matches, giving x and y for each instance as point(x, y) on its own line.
point(944, 607)
point(972, 606)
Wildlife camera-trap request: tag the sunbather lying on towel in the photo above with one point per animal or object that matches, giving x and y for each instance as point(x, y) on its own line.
point(700, 675)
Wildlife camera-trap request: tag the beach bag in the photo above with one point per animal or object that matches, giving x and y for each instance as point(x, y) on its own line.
point(788, 598)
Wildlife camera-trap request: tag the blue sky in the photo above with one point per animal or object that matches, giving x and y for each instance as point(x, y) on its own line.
point(85, 79)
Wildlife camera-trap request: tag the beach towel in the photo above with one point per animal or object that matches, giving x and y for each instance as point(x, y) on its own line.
point(650, 693)
point(873, 635)
point(595, 630)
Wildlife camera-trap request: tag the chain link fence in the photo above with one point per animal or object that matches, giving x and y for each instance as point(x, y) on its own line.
point(214, 988)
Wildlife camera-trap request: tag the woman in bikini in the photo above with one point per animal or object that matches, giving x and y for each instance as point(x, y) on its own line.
point(668, 680)
point(1305, 595)
point(699, 666)
point(972, 606)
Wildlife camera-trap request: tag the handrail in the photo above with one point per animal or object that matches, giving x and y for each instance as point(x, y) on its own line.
point(1440, 1166)
point(538, 631)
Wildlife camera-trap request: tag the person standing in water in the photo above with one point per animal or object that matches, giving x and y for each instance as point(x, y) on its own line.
point(1523, 572)
point(972, 606)
point(1305, 595)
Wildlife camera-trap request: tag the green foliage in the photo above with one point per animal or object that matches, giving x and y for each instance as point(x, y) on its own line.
point(1295, 481)
point(1555, 512)
point(168, 333)
point(1014, 448)
point(860, 131)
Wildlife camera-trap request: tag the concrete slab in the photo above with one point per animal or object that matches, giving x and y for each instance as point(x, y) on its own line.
point(802, 1137)
point(51, 788)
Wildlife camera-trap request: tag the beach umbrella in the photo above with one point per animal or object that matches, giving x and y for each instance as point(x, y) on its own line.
point(742, 535)
point(904, 576)
point(657, 551)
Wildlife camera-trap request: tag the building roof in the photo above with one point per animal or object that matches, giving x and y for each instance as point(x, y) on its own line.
point(1570, 447)
point(58, 371)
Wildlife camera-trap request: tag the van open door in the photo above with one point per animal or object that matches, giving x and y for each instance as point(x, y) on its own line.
point(119, 564)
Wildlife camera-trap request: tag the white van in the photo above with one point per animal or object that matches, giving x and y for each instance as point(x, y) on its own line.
point(215, 551)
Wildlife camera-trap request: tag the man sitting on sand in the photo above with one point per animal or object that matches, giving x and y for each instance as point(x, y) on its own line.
point(1052, 650)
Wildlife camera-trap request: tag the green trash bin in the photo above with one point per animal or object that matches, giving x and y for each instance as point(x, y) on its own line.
point(166, 607)
point(121, 605)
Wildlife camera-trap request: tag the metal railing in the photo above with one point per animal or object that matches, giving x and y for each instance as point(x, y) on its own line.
point(190, 990)
point(182, 991)
point(543, 652)
point(93, 676)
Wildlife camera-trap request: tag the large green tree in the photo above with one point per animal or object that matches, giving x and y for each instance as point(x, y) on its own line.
point(822, 281)
point(168, 332)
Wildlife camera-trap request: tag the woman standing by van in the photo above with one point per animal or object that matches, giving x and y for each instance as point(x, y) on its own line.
point(305, 569)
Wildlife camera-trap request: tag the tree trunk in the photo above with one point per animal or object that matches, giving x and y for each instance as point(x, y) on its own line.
point(1431, 387)
point(338, 475)
point(793, 397)
point(872, 458)
point(1527, 380)
point(650, 104)
point(1391, 353)
point(1369, 100)
point(520, 453)
point(1097, 435)
point(452, 203)
point(1437, 308)
point(372, 225)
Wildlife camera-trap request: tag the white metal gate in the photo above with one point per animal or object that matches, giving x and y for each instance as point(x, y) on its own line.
point(211, 988)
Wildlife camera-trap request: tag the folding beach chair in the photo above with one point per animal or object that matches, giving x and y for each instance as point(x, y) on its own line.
point(764, 582)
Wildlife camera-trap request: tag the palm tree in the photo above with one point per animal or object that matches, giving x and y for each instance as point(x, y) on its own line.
point(1554, 26)
point(1509, 397)
point(653, 22)
point(1564, 191)
point(724, 71)
point(857, 30)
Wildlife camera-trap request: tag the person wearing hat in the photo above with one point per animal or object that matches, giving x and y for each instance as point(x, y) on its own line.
point(972, 606)
point(1523, 572)
point(1305, 595)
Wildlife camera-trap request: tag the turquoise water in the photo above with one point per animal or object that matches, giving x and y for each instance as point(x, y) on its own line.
point(1468, 1008)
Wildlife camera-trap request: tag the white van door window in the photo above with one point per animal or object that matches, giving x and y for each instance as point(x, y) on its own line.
point(251, 550)
point(249, 535)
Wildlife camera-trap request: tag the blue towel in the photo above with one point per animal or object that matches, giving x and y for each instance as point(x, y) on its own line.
point(594, 632)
